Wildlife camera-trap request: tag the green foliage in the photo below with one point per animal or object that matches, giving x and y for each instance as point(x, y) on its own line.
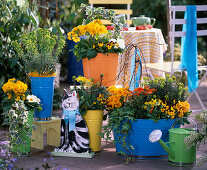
point(167, 89)
point(196, 138)
point(120, 123)
point(65, 18)
point(90, 47)
point(39, 50)
point(92, 96)
point(68, 15)
point(93, 37)
point(13, 23)
point(93, 13)
point(155, 99)
point(18, 107)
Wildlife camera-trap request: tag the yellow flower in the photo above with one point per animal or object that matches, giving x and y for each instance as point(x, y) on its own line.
point(76, 39)
point(180, 114)
point(100, 44)
point(98, 21)
point(11, 80)
point(82, 29)
point(112, 89)
point(19, 88)
point(119, 92)
point(94, 46)
point(69, 36)
point(118, 104)
point(9, 96)
point(116, 45)
point(108, 46)
point(163, 110)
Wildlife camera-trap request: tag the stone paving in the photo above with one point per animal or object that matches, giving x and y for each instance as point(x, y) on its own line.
point(107, 159)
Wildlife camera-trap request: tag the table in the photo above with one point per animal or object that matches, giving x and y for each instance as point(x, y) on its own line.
point(152, 52)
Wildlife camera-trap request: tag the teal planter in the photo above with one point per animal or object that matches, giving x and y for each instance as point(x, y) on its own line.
point(43, 88)
point(139, 138)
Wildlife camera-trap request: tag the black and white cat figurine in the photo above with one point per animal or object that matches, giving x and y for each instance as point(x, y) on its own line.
point(74, 132)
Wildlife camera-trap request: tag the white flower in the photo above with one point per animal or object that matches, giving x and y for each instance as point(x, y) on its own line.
point(24, 116)
point(121, 43)
point(33, 99)
point(112, 40)
point(13, 113)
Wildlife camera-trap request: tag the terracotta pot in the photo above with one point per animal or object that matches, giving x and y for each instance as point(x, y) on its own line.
point(102, 63)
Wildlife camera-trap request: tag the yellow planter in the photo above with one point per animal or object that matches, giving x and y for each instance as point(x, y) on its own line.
point(94, 119)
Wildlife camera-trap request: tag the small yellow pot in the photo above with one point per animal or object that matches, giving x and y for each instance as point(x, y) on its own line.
point(94, 120)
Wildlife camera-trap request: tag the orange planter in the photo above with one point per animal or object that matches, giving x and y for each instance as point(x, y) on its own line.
point(102, 63)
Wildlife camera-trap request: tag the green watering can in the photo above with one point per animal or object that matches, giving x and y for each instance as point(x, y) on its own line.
point(177, 153)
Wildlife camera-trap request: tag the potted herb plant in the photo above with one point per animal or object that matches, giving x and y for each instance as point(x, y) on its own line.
point(96, 46)
point(134, 114)
point(19, 106)
point(92, 98)
point(39, 51)
point(198, 137)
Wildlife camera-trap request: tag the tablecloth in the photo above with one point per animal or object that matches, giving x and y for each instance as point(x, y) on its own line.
point(152, 45)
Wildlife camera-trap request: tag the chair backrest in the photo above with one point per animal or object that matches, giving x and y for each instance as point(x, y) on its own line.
point(126, 11)
point(173, 22)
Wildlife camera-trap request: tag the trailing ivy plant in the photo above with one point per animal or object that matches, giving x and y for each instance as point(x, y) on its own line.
point(119, 123)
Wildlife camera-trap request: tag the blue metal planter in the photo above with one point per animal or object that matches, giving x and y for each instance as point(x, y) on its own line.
point(43, 88)
point(74, 68)
point(139, 138)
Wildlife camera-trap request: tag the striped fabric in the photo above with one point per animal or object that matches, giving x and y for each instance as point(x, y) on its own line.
point(152, 53)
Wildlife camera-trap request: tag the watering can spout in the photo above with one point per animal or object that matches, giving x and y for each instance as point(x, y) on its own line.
point(155, 136)
point(167, 149)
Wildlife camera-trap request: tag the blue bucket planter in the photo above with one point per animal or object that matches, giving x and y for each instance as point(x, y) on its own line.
point(74, 68)
point(43, 88)
point(139, 138)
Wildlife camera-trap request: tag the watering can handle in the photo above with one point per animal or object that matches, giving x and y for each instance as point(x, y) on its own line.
point(196, 128)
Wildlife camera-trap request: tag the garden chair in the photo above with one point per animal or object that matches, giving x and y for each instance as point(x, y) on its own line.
point(174, 66)
point(127, 11)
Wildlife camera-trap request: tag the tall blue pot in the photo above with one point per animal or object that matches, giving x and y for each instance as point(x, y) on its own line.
point(139, 138)
point(74, 68)
point(43, 88)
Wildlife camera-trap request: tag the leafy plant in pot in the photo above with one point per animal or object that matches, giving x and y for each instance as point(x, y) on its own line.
point(98, 47)
point(154, 105)
point(92, 98)
point(39, 51)
point(19, 106)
